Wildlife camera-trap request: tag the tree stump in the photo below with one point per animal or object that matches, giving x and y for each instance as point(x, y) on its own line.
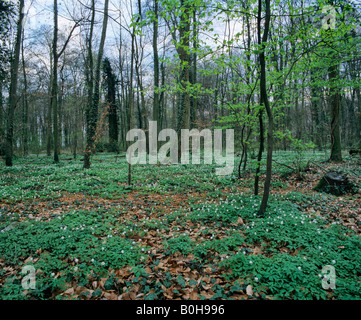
point(355, 152)
point(336, 183)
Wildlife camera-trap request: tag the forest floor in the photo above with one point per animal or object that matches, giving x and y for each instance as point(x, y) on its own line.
point(179, 232)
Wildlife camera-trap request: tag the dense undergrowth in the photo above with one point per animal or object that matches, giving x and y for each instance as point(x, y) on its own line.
point(178, 232)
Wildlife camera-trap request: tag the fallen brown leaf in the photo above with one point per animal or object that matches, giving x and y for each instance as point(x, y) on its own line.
point(240, 221)
point(110, 296)
point(249, 290)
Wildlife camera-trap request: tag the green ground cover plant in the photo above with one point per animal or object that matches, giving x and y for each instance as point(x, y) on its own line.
point(193, 236)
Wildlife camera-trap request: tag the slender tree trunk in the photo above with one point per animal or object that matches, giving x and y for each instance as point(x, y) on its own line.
point(131, 99)
point(13, 88)
point(77, 120)
point(265, 102)
point(260, 153)
point(143, 114)
point(142, 111)
point(183, 50)
point(336, 155)
point(184, 109)
point(49, 112)
point(89, 68)
point(25, 112)
point(315, 101)
point(297, 111)
point(250, 98)
point(54, 80)
point(156, 65)
point(63, 123)
point(358, 128)
point(140, 120)
point(93, 112)
point(121, 95)
point(162, 104)
point(194, 100)
point(54, 86)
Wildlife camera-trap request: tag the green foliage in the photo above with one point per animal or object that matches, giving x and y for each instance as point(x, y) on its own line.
point(299, 147)
point(79, 245)
point(224, 213)
point(310, 245)
point(182, 244)
point(207, 249)
point(285, 276)
point(66, 248)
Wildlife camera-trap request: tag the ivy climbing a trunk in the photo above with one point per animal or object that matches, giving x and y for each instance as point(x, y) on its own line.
point(93, 86)
point(13, 89)
point(110, 87)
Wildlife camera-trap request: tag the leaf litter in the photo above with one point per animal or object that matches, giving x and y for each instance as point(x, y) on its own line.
point(171, 275)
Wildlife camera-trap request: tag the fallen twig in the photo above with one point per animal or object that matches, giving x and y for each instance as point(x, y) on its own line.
point(323, 169)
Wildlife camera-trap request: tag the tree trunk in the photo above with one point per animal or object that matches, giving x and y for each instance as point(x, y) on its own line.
point(194, 101)
point(265, 102)
point(183, 51)
point(110, 80)
point(89, 69)
point(336, 183)
point(336, 155)
point(156, 65)
point(54, 81)
point(131, 99)
point(141, 102)
point(50, 108)
point(122, 96)
point(13, 88)
point(93, 112)
point(260, 153)
point(25, 113)
point(162, 102)
point(54, 85)
point(315, 101)
point(358, 135)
